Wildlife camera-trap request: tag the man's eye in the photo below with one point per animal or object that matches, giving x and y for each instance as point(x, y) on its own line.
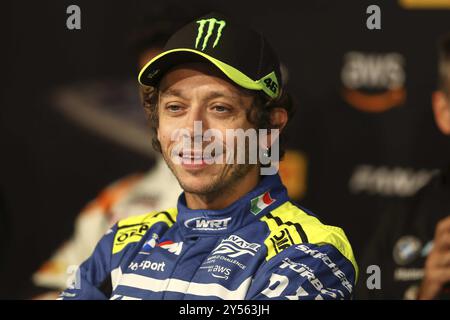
point(173, 108)
point(221, 109)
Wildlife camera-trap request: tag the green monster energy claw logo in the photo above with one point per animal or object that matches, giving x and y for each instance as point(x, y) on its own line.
point(211, 23)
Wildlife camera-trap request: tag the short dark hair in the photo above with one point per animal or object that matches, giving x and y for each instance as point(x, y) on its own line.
point(444, 63)
point(259, 114)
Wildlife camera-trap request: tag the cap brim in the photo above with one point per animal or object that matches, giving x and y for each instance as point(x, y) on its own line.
point(152, 72)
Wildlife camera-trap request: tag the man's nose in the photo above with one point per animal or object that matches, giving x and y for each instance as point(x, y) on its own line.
point(196, 119)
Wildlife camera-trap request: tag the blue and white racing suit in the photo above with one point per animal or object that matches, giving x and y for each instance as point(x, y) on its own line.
point(262, 246)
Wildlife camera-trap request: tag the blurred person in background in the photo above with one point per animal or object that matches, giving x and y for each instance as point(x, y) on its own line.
point(412, 243)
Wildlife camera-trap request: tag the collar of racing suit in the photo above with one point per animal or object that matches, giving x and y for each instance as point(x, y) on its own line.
point(267, 195)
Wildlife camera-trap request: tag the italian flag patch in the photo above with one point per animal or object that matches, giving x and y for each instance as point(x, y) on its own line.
point(261, 202)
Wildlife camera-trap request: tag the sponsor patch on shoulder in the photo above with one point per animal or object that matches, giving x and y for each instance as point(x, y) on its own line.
point(128, 234)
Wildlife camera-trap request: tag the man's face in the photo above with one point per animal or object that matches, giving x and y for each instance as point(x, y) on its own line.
point(198, 92)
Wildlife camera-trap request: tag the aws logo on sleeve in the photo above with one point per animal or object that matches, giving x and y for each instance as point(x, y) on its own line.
point(373, 82)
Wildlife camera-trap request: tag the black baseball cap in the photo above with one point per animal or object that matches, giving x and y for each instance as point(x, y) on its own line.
point(241, 53)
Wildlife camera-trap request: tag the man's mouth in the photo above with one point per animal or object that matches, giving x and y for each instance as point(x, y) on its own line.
point(194, 156)
point(196, 159)
point(191, 155)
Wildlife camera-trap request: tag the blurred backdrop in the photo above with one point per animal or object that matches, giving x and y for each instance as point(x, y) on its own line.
point(71, 121)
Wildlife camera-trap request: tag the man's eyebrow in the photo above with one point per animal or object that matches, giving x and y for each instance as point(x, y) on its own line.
point(209, 96)
point(172, 92)
point(219, 94)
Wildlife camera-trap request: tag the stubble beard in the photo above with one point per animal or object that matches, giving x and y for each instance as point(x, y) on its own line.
point(219, 185)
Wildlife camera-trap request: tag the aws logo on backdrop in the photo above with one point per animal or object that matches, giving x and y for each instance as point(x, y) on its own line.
point(373, 82)
point(425, 4)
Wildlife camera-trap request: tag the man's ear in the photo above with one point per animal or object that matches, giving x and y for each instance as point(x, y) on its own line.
point(279, 118)
point(441, 109)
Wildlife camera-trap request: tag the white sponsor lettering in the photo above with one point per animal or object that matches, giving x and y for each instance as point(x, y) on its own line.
point(408, 274)
point(305, 272)
point(234, 246)
point(385, 181)
point(147, 264)
point(334, 268)
point(200, 223)
point(373, 70)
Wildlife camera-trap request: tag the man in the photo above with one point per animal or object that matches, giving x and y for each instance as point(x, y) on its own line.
point(234, 233)
point(412, 244)
point(436, 281)
point(136, 193)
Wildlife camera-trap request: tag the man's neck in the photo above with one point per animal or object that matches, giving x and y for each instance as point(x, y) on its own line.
point(223, 198)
